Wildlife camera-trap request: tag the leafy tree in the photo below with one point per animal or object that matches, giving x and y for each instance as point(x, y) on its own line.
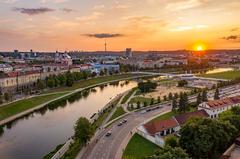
point(170, 96)
point(50, 82)
point(174, 104)
point(236, 110)
point(83, 130)
point(70, 80)
point(182, 83)
point(204, 137)
point(170, 153)
point(101, 73)
point(165, 98)
point(152, 101)
point(146, 86)
point(159, 99)
point(1, 101)
point(183, 102)
point(171, 141)
point(204, 96)
point(40, 84)
point(199, 99)
point(7, 96)
point(216, 94)
point(176, 95)
point(145, 104)
point(138, 104)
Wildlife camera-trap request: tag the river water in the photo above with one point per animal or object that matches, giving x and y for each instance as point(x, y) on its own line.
point(39, 133)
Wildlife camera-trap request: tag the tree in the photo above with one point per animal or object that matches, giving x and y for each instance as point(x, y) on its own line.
point(182, 83)
point(171, 141)
point(204, 96)
point(145, 104)
point(101, 73)
point(176, 96)
point(199, 99)
point(170, 153)
point(152, 101)
point(216, 94)
point(174, 104)
point(1, 101)
point(50, 82)
point(7, 96)
point(170, 96)
point(138, 104)
point(40, 84)
point(146, 86)
point(183, 102)
point(70, 80)
point(83, 130)
point(213, 137)
point(159, 99)
point(165, 98)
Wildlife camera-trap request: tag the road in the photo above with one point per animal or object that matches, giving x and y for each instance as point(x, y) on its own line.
point(107, 147)
point(111, 147)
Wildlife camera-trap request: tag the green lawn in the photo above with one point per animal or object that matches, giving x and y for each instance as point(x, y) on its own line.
point(127, 96)
point(93, 81)
point(140, 99)
point(119, 111)
point(139, 147)
point(229, 75)
point(22, 105)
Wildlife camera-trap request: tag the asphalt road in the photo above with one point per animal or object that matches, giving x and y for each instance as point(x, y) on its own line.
point(109, 147)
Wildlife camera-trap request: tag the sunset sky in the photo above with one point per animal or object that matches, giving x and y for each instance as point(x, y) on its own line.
point(48, 25)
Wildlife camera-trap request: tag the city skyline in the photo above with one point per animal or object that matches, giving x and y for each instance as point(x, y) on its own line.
point(49, 25)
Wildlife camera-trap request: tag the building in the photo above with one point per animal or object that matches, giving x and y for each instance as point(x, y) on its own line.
point(128, 52)
point(155, 131)
point(5, 68)
point(215, 107)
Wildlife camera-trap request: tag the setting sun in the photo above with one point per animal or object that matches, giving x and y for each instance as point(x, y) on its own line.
point(199, 47)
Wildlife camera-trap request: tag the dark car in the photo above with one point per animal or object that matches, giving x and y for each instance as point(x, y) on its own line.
point(109, 133)
point(120, 124)
point(124, 121)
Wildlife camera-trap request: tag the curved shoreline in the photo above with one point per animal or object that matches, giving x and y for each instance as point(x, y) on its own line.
point(19, 115)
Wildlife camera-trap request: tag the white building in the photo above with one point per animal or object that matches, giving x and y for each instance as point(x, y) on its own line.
point(215, 107)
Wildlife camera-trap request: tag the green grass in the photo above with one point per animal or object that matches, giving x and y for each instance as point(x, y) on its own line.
point(229, 75)
point(93, 81)
point(128, 95)
point(22, 105)
point(139, 147)
point(140, 99)
point(119, 111)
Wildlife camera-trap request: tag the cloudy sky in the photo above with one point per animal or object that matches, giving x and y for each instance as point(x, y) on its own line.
point(48, 25)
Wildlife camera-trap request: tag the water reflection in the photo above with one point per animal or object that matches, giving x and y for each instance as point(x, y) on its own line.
point(38, 133)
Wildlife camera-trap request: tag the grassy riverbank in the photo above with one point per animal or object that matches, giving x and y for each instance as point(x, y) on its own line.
point(93, 81)
point(14, 108)
point(229, 75)
point(25, 104)
point(119, 111)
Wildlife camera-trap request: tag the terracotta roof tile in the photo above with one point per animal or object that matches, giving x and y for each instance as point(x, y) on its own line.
point(160, 125)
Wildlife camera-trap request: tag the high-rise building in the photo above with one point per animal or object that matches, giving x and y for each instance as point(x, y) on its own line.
point(128, 52)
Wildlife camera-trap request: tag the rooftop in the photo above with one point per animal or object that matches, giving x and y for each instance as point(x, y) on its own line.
point(181, 119)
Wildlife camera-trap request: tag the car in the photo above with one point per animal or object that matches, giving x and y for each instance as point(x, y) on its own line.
point(143, 112)
point(124, 121)
point(119, 124)
point(109, 133)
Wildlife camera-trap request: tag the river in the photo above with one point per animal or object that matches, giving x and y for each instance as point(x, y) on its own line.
point(34, 136)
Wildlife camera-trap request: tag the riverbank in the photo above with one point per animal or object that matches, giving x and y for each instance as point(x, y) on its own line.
point(82, 85)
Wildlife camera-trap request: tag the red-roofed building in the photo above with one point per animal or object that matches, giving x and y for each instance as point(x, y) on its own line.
point(215, 107)
point(155, 131)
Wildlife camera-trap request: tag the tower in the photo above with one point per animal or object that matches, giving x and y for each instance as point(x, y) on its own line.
point(105, 46)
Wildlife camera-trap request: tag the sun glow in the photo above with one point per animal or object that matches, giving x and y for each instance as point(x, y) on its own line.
point(199, 47)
